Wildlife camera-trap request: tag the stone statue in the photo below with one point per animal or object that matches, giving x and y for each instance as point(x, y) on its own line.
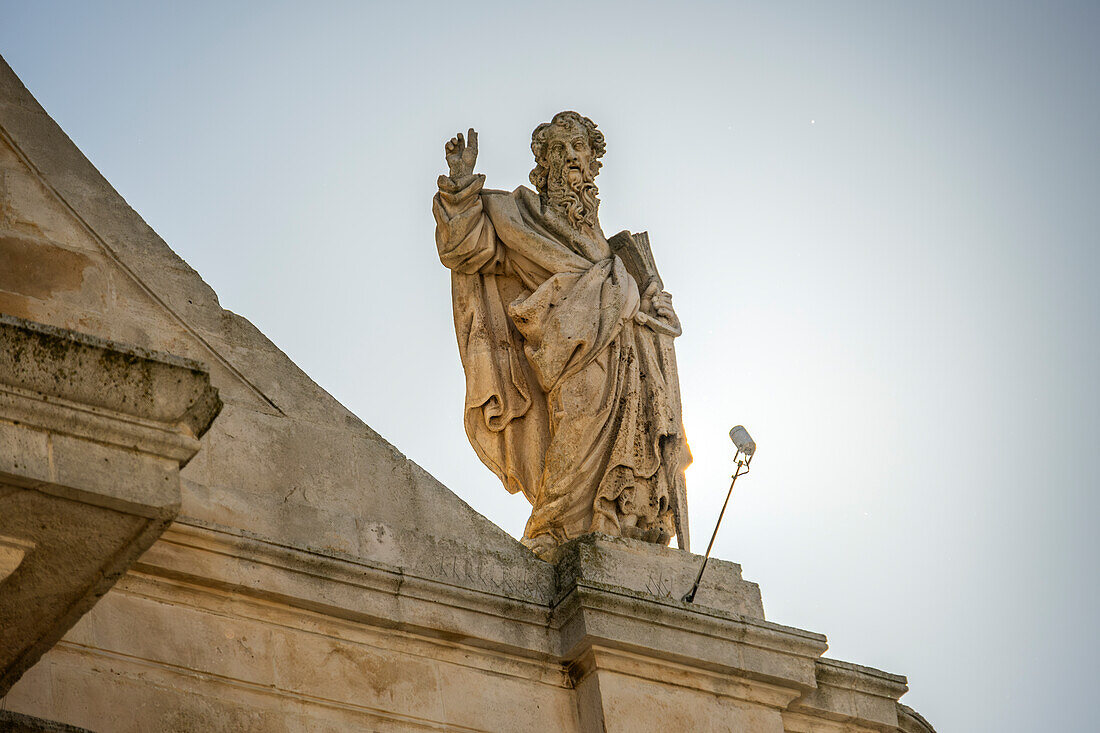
point(572, 394)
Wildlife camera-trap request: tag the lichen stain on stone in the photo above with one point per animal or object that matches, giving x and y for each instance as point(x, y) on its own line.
point(37, 269)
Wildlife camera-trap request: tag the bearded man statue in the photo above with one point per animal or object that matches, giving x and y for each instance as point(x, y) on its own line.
point(571, 397)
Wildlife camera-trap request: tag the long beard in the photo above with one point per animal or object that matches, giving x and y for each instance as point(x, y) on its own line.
point(577, 200)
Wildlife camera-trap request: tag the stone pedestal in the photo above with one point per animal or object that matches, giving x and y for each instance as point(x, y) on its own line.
point(642, 568)
point(92, 437)
point(637, 654)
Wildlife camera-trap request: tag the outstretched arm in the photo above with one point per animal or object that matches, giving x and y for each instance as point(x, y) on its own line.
point(464, 234)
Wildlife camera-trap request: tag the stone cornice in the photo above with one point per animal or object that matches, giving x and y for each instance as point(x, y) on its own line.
point(853, 694)
point(710, 640)
point(645, 667)
point(55, 414)
point(97, 376)
point(337, 584)
point(589, 613)
point(591, 626)
point(848, 676)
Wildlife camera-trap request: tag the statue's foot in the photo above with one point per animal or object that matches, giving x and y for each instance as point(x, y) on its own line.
point(656, 535)
point(541, 545)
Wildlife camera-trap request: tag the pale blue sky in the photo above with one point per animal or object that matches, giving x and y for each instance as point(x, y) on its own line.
point(879, 221)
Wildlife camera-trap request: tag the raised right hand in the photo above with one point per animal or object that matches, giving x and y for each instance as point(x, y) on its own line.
point(461, 155)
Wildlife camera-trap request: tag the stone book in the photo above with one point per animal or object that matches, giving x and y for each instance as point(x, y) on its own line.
point(634, 251)
point(637, 256)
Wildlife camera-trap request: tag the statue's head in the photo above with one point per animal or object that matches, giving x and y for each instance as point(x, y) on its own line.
point(567, 152)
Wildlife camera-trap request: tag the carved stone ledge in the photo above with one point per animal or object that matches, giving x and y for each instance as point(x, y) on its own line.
point(629, 656)
point(92, 437)
point(855, 695)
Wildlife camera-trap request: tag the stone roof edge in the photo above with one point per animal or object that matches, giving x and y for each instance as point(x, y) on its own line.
point(126, 238)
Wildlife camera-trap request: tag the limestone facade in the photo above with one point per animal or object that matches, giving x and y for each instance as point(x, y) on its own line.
point(314, 579)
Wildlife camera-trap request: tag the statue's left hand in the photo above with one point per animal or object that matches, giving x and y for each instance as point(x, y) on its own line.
point(659, 303)
point(662, 303)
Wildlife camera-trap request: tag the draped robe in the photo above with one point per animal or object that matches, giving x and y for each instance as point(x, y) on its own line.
point(566, 400)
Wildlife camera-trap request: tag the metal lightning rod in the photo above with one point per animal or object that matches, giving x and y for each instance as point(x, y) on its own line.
point(746, 449)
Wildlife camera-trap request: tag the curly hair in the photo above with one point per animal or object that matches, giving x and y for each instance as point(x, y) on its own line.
point(538, 145)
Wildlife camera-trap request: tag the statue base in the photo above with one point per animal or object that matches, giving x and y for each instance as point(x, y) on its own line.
point(653, 571)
